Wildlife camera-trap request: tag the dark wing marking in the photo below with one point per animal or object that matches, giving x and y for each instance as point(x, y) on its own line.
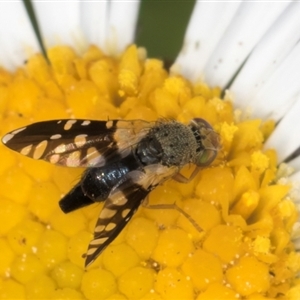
point(117, 211)
point(77, 143)
point(122, 203)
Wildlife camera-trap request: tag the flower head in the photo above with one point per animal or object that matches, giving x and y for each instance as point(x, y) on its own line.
point(230, 231)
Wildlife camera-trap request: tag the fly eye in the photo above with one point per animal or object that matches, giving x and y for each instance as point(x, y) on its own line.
point(206, 157)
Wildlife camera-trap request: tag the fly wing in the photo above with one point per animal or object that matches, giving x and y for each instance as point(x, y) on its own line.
point(121, 205)
point(77, 143)
point(117, 211)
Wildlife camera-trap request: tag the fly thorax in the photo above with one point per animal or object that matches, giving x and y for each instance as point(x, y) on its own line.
point(177, 142)
point(148, 150)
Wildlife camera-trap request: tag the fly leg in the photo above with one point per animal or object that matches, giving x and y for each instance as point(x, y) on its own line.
point(172, 206)
point(182, 179)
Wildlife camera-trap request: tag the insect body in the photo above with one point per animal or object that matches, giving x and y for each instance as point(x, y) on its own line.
point(125, 160)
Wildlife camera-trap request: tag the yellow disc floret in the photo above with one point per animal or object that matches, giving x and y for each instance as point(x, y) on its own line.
point(224, 235)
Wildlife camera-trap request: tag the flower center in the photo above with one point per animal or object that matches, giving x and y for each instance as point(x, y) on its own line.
point(242, 242)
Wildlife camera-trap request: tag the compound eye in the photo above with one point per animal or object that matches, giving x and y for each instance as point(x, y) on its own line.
point(206, 157)
point(201, 123)
point(208, 140)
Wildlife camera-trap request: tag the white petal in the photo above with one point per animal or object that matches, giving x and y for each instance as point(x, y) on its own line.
point(17, 38)
point(250, 23)
point(294, 179)
point(121, 25)
point(265, 59)
point(94, 20)
point(206, 27)
point(59, 23)
point(296, 176)
point(278, 94)
point(295, 163)
point(285, 138)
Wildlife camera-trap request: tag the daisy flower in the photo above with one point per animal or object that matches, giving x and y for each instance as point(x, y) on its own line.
point(235, 232)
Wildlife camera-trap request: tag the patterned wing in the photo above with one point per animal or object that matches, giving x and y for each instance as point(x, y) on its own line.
point(77, 143)
point(117, 211)
point(122, 203)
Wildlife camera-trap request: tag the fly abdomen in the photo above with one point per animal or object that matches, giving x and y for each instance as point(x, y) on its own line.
point(97, 183)
point(75, 199)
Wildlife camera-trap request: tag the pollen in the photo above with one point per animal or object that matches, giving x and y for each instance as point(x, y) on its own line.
point(226, 234)
point(130, 70)
point(259, 161)
point(227, 131)
point(261, 244)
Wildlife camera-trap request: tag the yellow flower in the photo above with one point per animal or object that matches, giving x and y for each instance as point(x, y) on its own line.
point(233, 238)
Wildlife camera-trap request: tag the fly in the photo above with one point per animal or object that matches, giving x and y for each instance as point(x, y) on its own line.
point(125, 160)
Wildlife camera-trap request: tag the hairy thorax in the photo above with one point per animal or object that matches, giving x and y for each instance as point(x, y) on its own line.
point(168, 143)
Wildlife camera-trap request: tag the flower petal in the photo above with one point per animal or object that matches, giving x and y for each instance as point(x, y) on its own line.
point(59, 22)
point(266, 58)
point(94, 18)
point(110, 25)
point(250, 23)
point(285, 138)
point(17, 38)
point(276, 97)
point(202, 35)
point(296, 176)
point(121, 25)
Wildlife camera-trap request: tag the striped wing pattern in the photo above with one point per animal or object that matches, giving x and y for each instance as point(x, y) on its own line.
point(116, 213)
point(75, 142)
point(121, 205)
point(87, 143)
